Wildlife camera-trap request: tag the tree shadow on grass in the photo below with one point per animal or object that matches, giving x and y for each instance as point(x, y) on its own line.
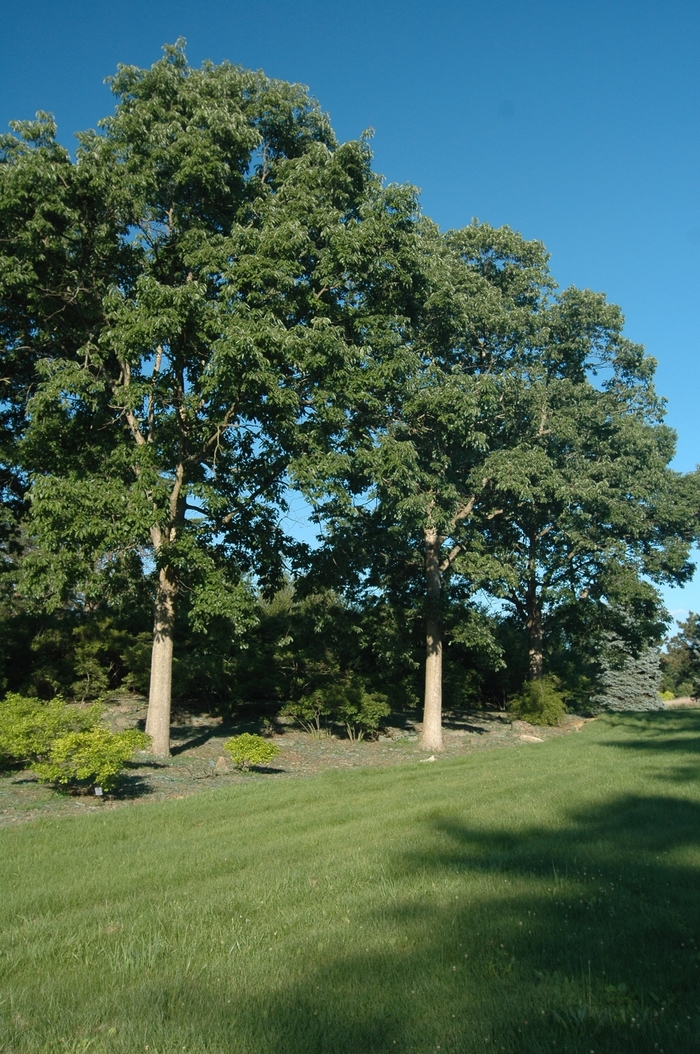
point(579, 939)
point(582, 937)
point(673, 734)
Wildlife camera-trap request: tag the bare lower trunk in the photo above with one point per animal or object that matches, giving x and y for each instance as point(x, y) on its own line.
point(158, 719)
point(431, 736)
point(533, 622)
point(536, 644)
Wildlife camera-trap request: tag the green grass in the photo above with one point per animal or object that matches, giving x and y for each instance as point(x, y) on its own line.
point(544, 898)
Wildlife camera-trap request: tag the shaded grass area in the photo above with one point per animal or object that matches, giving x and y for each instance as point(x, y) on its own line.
point(538, 899)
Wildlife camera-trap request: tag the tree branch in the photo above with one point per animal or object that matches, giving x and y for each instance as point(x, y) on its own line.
point(240, 505)
point(128, 413)
point(151, 407)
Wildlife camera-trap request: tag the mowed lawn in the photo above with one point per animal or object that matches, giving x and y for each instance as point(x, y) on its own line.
point(540, 898)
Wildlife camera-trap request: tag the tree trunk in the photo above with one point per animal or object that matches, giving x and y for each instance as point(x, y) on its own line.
point(431, 736)
point(158, 720)
point(533, 622)
point(536, 644)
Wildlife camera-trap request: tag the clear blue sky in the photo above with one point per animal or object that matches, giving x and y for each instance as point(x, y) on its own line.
point(575, 123)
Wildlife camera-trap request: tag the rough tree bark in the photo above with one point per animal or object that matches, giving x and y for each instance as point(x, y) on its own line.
point(164, 610)
point(158, 719)
point(431, 735)
point(533, 621)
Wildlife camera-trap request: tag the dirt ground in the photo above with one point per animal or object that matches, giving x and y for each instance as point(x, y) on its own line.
point(199, 763)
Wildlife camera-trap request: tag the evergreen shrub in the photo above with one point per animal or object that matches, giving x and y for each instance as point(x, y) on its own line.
point(540, 702)
point(247, 750)
point(627, 681)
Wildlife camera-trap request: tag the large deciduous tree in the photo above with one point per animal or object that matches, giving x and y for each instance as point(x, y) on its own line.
point(412, 493)
point(592, 515)
point(523, 453)
point(186, 303)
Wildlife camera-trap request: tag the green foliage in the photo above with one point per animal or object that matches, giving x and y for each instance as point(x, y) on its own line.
point(98, 656)
point(627, 680)
point(29, 727)
point(93, 757)
point(347, 703)
point(591, 516)
point(304, 642)
point(64, 745)
point(247, 750)
point(72, 653)
point(540, 702)
point(680, 662)
point(310, 711)
point(360, 711)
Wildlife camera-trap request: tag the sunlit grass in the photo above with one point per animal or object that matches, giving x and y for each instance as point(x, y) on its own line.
point(532, 899)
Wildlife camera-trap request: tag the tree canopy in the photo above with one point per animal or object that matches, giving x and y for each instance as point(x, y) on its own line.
point(524, 457)
point(218, 264)
point(215, 301)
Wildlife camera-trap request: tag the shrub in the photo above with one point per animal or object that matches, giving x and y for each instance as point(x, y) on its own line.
point(64, 745)
point(247, 750)
point(627, 681)
point(361, 711)
point(310, 711)
point(540, 702)
point(93, 757)
point(29, 727)
point(347, 703)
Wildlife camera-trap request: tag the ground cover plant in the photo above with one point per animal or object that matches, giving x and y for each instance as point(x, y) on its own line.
point(542, 898)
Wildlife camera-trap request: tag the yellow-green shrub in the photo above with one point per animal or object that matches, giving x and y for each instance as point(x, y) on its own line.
point(94, 757)
point(28, 727)
point(64, 745)
point(247, 750)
